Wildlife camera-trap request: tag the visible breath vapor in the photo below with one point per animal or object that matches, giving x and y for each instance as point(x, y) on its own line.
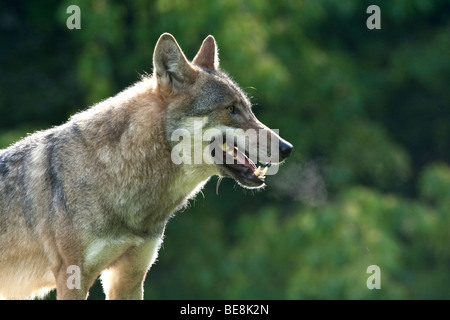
point(302, 182)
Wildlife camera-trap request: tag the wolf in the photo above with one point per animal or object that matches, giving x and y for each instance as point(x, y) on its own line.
point(92, 196)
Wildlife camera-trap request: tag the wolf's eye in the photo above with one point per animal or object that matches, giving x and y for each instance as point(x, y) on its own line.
point(232, 109)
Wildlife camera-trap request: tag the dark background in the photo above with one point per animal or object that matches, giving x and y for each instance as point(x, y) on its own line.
point(367, 110)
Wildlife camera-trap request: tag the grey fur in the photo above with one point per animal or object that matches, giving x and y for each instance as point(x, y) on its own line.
point(97, 191)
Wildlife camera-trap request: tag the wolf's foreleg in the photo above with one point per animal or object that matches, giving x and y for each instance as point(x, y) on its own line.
point(124, 279)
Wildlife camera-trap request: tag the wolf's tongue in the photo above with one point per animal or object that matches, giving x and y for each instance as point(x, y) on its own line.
point(241, 158)
point(239, 161)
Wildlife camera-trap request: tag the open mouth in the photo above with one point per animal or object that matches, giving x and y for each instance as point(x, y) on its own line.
point(237, 165)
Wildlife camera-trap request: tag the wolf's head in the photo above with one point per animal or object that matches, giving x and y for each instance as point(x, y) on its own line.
point(209, 119)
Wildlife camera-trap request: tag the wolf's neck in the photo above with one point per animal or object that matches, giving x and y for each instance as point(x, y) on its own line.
point(134, 158)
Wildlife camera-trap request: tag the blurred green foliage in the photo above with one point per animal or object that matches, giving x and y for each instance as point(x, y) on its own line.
point(367, 110)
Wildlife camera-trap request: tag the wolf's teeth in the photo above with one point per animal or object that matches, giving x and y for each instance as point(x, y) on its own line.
point(224, 146)
point(257, 171)
point(236, 148)
point(263, 172)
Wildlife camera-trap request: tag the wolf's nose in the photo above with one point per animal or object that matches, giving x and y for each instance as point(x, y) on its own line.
point(285, 149)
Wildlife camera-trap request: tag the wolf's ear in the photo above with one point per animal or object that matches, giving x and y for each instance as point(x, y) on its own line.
point(208, 56)
point(170, 64)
